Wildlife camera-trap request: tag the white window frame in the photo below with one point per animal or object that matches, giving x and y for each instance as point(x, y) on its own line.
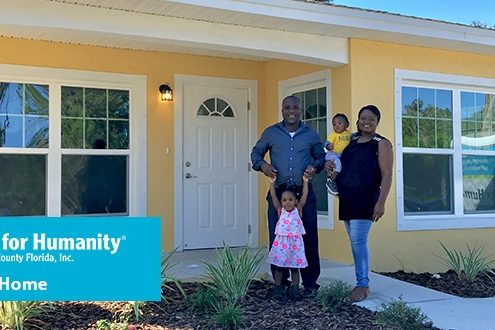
point(455, 83)
point(300, 84)
point(55, 79)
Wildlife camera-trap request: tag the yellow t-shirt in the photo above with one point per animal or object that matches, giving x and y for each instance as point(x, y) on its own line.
point(339, 140)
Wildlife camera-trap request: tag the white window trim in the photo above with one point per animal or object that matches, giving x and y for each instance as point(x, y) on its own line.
point(302, 83)
point(136, 84)
point(456, 83)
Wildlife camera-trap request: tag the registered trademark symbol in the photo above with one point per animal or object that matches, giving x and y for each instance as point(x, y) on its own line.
point(123, 238)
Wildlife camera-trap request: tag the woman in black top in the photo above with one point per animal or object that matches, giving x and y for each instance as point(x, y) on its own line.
point(364, 184)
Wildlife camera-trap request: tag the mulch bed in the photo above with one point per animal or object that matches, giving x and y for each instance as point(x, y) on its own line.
point(260, 313)
point(482, 287)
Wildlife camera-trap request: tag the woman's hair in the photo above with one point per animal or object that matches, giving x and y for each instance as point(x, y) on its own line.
point(372, 108)
point(341, 115)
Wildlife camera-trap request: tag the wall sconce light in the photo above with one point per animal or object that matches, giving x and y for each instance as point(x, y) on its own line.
point(166, 92)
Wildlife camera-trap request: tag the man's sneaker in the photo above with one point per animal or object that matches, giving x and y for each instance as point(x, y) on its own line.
point(309, 293)
point(293, 293)
point(332, 187)
point(278, 293)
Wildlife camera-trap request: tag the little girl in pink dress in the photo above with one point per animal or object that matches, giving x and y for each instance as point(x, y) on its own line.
point(287, 250)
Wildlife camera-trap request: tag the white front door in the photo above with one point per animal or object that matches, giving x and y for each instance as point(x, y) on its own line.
point(215, 166)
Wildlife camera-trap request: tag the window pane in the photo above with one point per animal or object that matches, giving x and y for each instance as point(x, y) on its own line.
point(427, 183)
point(11, 98)
point(443, 103)
point(478, 183)
point(409, 101)
point(203, 111)
point(210, 105)
point(310, 105)
point(221, 105)
point(318, 182)
point(72, 133)
point(410, 132)
point(118, 134)
point(23, 115)
point(313, 124)
point(444, 134)
point(427, 137)
point(95, 130)
point(95, 102)
point(94, 185)
point(426, 102)
point(118, 104)
point(477, 121)
point(23, 182)
point(36, 99)
point(36, 132)
point(11, 131)
point(322, 129)
point(228, 112)
point(322, 102)
point(72, 101)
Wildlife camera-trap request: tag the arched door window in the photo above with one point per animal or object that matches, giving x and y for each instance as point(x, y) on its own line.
point(215, 107)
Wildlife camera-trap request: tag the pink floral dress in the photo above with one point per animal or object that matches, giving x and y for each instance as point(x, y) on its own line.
point(288, 247)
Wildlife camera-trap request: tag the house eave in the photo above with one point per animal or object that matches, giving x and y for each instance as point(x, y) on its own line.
point(246, 29)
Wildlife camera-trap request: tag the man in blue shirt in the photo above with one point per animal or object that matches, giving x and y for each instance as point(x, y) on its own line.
point(295, 149)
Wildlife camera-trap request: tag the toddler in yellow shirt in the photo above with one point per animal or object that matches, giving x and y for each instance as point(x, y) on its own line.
point(335, 144)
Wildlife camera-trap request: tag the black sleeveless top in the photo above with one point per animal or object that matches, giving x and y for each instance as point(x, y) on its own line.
point(360, 179)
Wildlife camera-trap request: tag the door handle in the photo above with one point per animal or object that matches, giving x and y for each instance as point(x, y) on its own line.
point(190, 176)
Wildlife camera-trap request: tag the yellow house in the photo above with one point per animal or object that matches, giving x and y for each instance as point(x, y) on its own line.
point(83, 128)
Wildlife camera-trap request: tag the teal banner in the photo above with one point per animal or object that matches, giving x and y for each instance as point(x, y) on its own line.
point(80, 259)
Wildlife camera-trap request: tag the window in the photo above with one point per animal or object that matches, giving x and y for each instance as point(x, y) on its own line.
point(69, 145)
point(215, 107)
point(313, 90)
point(315, 115)
point(445, 151)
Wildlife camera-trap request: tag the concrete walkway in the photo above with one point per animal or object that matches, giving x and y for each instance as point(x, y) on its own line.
point(444, 310)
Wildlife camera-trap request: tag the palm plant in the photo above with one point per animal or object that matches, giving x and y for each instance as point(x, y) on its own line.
point(468, 265)
point(233, 274)
point(169, 282)
point(17, 314)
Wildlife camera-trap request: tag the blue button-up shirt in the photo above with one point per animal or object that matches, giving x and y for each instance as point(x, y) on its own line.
point(290, 156)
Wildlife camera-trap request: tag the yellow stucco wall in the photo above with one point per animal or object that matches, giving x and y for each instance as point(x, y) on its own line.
point(158, 68)
point(369, 78)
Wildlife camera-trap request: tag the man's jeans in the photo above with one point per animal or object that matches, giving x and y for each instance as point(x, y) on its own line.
point(358, 231)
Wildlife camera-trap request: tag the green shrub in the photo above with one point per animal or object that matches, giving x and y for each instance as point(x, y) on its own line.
point(332, 296)
point(16, 314)
point(228, 316)
point(398, 315)
point(169, 282)
point(204, 301)
point(108, 325)
point(136, 307)
point(233, 274)
point(468, 265)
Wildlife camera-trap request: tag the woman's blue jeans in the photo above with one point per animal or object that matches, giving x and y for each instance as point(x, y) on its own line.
point(358, 231)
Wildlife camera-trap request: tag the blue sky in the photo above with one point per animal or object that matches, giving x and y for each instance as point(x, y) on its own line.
point(457, 11)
